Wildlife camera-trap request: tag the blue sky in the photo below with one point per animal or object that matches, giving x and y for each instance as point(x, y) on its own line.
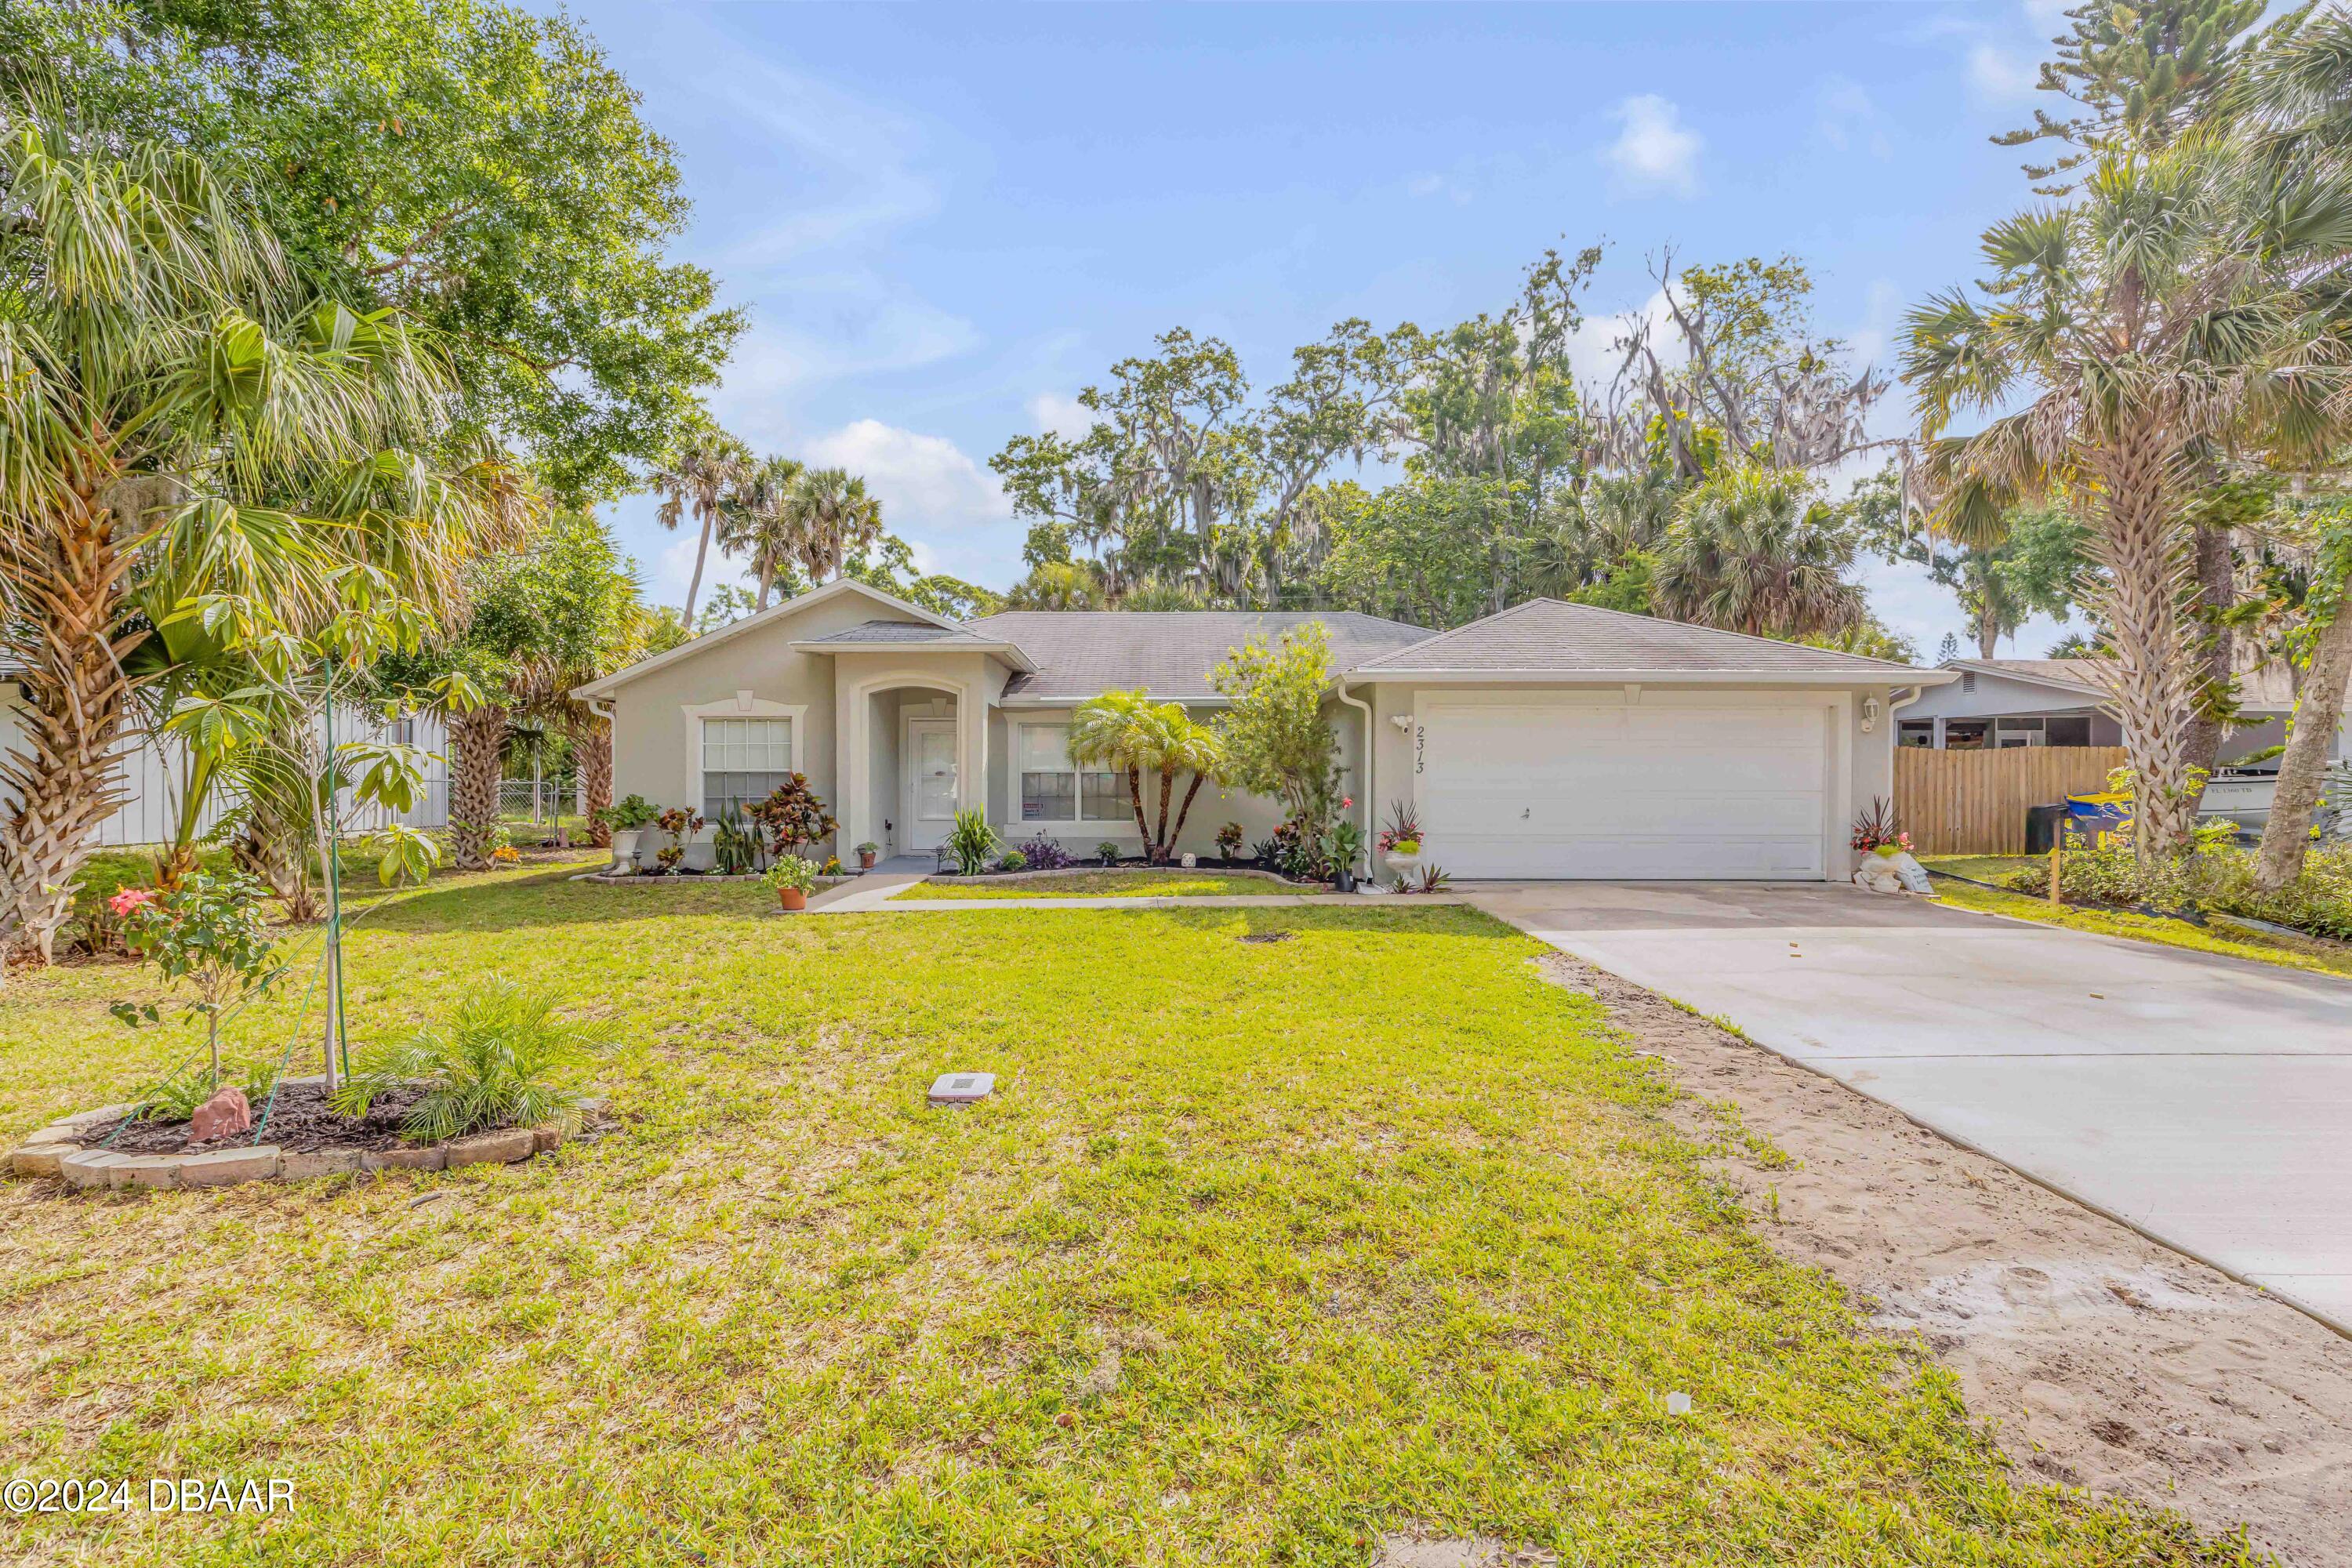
point(946, 221)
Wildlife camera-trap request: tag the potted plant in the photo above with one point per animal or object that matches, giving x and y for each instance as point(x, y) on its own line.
point(791, 877)
point(1345, 844)
point(627, 817)
point(1399, 839)
point(1229, 841)
point(679, 822)
point(1107, 853)
point(865, 853)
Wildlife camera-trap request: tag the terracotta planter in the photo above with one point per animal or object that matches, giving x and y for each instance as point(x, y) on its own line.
point(865, 860)
point(791, 899)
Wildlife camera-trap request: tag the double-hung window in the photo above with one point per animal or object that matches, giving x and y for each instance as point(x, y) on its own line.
point(1054, 789)
point(743, 761)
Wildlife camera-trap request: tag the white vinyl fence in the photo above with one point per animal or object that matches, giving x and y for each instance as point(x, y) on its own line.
point(150, 773)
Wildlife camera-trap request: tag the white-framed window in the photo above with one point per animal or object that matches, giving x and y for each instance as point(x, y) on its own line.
point(743, 761)
point(1054, 790)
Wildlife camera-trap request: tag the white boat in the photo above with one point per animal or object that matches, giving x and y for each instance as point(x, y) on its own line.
point(2242, 794)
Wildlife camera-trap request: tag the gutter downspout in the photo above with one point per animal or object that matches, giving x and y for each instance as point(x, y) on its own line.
point(1371, 778)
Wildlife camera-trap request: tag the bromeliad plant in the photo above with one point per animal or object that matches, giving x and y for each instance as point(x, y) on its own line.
point(487, 1067)
point(205, 934)
point(1878, 828)
point(1400, 836)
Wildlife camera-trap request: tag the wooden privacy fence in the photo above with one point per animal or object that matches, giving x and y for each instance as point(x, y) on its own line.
point(1973, 802)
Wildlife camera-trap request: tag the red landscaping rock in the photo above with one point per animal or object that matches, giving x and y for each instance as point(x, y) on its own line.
point(226, 1112)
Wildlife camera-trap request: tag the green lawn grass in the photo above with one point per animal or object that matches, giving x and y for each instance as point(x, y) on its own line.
point(1260, 1250)
point(1198, 884)
point(2230, 941)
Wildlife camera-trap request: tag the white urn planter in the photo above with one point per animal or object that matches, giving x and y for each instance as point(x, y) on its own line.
point(625, 850)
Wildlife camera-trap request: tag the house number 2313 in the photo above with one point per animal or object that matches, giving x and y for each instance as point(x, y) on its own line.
point(1420, 747)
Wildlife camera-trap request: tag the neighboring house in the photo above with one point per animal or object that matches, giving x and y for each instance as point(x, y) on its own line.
point(150, 773)
point(1550, 741)
point(1998, 703)
point(2003, 703)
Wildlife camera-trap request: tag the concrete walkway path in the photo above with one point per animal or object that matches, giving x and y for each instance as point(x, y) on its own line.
point(2205, 1100)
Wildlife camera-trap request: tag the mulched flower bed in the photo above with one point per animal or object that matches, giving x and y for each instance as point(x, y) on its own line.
point(301, 1122)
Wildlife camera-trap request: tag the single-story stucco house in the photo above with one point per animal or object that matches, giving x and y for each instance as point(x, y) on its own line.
point(1549, 741)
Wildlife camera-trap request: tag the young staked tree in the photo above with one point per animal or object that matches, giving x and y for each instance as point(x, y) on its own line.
point(2161, 313)
point(170, 405)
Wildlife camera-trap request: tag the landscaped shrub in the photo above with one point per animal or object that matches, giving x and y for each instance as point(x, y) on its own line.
point(794, 817)
point(971, 842)
point(1013, 861)
point(487, 1066)
point(1229, 839)
point(1044, 853)
point(2215, 877)
point(679, 822)
point(1107, 852)
point(735, 843)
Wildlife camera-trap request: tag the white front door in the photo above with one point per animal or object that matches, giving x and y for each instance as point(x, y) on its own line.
point(931, 781)
point(1541, 789)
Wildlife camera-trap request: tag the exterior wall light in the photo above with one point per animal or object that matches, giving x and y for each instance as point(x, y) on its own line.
point(1869, 714)
point(1404, 721)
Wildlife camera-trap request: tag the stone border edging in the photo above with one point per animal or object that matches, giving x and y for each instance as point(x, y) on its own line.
point(58, 1150)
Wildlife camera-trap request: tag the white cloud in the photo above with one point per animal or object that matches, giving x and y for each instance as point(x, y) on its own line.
point(851, 165)
point(2000, 73)
point(1065, 416)
point(1655, 150)
point(1846, 118)
point(926, 483)
point(1593, 353)
point(1424, 186)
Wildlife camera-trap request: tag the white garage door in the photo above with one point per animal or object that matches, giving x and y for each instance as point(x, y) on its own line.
point(1542, 790)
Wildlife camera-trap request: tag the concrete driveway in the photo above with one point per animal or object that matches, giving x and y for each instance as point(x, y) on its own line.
point(2206, 1101)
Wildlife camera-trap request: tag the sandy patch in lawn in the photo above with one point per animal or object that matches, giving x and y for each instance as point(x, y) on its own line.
point(2101, 1360)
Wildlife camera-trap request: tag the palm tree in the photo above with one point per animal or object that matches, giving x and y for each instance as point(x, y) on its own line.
point(833, 519)
point(167, 414)
point(760, 522)
point(1751, 551)
point(698, 480)
point(1126, 733)
point(2158, 318)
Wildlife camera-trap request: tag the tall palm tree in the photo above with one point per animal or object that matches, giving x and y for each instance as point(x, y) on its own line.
point(760, 522)
point(2158, 317)
point(168, 414)
point(697, 481)
point(833, 520)
point(1751, 551)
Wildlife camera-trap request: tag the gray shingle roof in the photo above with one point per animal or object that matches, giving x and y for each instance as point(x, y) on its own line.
point(1083, 653)
point(897, 631)
point(2267, 688)
point(1547, 637)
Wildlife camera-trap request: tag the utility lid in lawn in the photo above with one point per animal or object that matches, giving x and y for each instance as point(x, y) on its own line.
point(961, 1088)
